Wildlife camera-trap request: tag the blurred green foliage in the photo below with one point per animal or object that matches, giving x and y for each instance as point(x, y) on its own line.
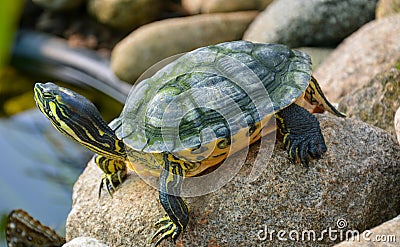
point(10, 12)
point(3, 221)
point(13, 85)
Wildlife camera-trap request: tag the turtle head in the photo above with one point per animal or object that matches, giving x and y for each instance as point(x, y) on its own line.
point(58, 103)
point(74, 115)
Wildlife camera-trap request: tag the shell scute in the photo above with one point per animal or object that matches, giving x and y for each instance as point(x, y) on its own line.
point(212, 93)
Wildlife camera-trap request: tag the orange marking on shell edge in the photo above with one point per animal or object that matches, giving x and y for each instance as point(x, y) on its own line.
point(145, 163)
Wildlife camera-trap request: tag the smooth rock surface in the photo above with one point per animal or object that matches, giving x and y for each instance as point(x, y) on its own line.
point(125, 14)
point(386, 234)
point(152, 43)
point(310, 23)
point(84, 242)
point(397, 124)
point(58, 4)
point(376, 102)
point(386, 8)
point(213, 6)
point(374, 48)
point(357, 180)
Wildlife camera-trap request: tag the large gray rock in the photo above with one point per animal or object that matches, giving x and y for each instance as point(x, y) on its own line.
point(124, 14)
point(386, 8)
point(312, 22)
point(376, 102)
point(152, 43)
point(374, 48)
point(357, 182)
point(213, 6)
point(84, 242)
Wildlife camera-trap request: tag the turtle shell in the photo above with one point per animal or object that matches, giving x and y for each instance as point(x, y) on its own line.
point(212, 93)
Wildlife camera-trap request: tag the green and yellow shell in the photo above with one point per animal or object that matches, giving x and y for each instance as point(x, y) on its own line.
point(211, 100)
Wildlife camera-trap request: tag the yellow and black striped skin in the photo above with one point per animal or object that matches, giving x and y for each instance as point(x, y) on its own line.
point(315, 96)
point(114, 172)
point(76, 117)
point(177, 218)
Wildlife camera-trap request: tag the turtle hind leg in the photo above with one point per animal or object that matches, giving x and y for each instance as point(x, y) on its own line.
point(301, 133)
point(114, 172)
point(315, 96)
point(177, 218)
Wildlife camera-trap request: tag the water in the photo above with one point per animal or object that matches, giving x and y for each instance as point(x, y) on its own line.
point(38, 167)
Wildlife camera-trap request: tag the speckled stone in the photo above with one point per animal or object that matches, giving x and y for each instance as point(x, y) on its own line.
point(386, 234)
point(357, 180)
point(383, 94)
point(214, 6)
point(310, 23)
point(84, 241)
point(156, 41)
point(373, 49)
point(126, 15)
point(386, 8)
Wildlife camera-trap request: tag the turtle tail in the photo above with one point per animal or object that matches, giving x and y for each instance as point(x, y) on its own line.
point(315, 96)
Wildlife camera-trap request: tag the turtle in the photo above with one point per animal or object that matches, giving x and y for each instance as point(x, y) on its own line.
point(190, 114)
point(24, 230)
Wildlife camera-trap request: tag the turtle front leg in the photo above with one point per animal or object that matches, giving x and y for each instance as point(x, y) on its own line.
point(301, 133)
point(177, 218)
point(114, 172)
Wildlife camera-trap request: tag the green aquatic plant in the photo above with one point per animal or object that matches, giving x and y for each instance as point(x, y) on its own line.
point(10, 12)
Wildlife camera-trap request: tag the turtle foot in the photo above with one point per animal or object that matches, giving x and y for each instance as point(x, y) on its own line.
point(300, 147)
point(302, 135)
point(111, 182)
point(167, 229)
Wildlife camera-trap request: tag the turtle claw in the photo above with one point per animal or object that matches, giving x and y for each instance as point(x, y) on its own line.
point(302, 134)
point(110, 181)
point(301, 147)
point(168, 229)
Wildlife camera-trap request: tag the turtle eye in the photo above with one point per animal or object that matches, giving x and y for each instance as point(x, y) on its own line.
point(47, 95)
